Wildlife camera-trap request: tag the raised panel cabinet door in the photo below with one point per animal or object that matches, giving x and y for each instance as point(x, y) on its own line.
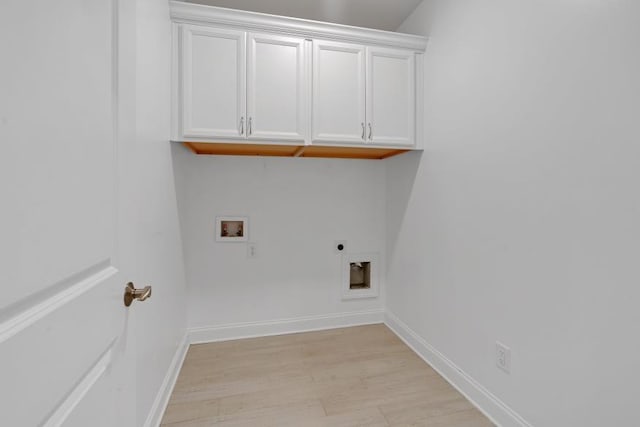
point(338, 92)
point(277, 88)
point(391, 96)
point(213, 83)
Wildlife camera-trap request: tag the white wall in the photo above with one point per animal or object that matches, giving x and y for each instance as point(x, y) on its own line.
point(152, 239)
point(520, 222)
point(297, 208)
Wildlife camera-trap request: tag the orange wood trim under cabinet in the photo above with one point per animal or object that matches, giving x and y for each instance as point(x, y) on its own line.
point(243, 149)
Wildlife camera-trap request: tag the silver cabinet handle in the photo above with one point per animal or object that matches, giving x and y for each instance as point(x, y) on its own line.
point(250, 127)
point(370, 132)
point(242, 126)
point(362, 124)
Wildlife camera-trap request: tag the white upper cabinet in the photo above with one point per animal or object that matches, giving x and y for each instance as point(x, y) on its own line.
point(363, 95)
point(277, 88)
point(263, 79)
point(213, 82)
point(238, 86)
point(338, 92)
point(391, 96)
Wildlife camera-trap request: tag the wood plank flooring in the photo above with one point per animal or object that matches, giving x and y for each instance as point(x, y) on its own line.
point(360, 376)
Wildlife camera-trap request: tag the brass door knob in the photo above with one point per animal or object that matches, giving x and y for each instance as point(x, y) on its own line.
point(131, 293)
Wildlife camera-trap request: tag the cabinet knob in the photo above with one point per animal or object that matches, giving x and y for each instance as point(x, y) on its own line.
point(362, 124)
point(242, 126)
point(370, 132)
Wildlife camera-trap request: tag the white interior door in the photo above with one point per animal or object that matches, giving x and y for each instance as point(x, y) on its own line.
point(213, 83)
point(338, 92)
point(277, 88)
point(391, 95)
point(64, 354)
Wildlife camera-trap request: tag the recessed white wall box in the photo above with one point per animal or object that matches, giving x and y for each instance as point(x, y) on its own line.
point(360, 276)
point(232, 229)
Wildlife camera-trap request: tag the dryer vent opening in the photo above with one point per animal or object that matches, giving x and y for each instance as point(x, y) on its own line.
point(360, 275)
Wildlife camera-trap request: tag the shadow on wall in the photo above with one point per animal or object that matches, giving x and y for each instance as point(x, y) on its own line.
point(179, 154)
point(401, 175)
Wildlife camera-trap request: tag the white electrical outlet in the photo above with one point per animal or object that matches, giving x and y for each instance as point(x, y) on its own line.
point(252, 250)
point(503, 357)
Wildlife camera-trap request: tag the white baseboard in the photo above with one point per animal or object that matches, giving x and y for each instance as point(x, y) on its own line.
point(283, 326)
point(162, 398)
point(496, 410)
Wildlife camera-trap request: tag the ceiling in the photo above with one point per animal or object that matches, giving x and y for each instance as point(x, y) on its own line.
point(380, 14)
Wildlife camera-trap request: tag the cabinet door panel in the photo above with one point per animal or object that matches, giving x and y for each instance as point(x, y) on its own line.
point(390, 96)
point(213, 82)
point(277, 88)
point(338, 92)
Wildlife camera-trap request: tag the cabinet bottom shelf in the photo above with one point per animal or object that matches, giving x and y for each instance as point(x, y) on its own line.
point(242, 149)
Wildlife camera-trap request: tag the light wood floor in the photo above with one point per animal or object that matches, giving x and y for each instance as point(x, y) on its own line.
point(361, 376)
